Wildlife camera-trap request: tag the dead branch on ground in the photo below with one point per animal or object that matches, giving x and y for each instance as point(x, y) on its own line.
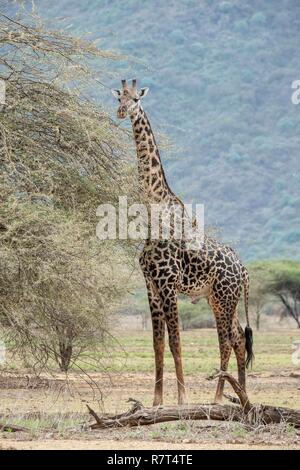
point(243, 411)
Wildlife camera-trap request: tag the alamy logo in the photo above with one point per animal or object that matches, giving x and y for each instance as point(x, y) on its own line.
point(154, 222)
point(295, 98)
point(2, 91)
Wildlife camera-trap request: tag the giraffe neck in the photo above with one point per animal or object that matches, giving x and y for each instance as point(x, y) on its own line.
point(152, 179)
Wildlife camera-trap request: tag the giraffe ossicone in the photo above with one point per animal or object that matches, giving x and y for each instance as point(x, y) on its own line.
point(213, 271)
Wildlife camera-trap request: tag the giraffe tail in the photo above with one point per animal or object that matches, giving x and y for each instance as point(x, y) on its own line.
point(248, 329)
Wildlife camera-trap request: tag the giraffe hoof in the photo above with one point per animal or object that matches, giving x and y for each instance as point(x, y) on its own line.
point(218, 401)
point(157, 402)
point(182, 401)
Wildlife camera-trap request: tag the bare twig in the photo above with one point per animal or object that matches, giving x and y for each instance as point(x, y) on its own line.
point(12, 428)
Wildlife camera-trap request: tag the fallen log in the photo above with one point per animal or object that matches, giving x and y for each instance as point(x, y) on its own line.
point(243, 412)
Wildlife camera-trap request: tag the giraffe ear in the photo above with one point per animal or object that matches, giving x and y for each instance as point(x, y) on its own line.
point(116, 93)
point(143, 92)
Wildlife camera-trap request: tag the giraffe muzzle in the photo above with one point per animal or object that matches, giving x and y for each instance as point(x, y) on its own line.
point(122, 112)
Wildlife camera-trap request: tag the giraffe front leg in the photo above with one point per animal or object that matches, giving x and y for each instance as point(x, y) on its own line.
point(175, 348)
point(158, 326)
point(172, 320)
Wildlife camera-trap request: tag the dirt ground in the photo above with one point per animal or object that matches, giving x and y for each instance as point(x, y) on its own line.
point(53, 408)
point(93, 444)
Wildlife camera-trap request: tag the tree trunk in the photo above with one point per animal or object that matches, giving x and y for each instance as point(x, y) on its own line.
point(257, 321)
point(65, 356)
point(293, 312)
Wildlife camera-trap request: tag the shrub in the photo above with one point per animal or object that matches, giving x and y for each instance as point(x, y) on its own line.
point(60, 157)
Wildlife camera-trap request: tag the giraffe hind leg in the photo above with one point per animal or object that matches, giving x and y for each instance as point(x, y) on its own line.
point(225, 352)
point(239, 346)
point(224, 328)
point(231, 337)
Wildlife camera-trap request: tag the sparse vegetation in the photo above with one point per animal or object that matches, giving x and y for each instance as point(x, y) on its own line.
point(55, 414)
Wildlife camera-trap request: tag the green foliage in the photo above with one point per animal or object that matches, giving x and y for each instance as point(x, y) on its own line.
point(268, 269)
point(285, 286)
point(197, 315)
point(276, 282)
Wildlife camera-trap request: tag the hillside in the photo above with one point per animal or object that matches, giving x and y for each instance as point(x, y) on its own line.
point(220, 74)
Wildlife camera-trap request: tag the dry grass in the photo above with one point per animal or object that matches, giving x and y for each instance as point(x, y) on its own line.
point(54, 409)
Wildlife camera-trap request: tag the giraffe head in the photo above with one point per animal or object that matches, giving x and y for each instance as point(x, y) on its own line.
point(129, 99)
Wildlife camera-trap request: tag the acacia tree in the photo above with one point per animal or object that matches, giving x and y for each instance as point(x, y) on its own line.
point(278, 281)
point(286, 288)
point(60, 157)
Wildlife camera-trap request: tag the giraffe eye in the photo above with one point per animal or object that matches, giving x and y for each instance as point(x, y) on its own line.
point(135, 100)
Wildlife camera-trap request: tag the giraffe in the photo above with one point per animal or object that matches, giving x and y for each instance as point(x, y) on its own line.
point(213, 271)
